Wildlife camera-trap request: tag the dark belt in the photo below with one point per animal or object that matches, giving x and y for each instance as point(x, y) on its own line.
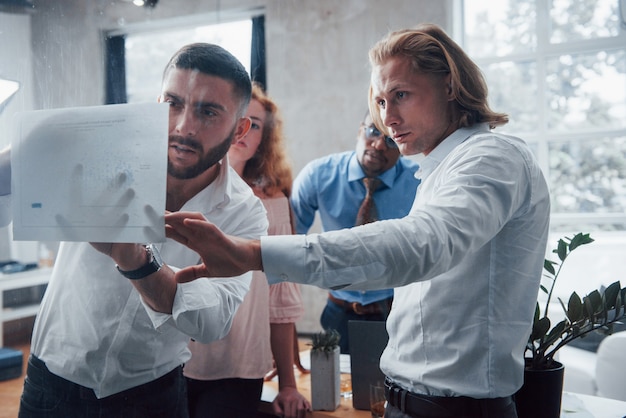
point(441, 406)
point(380, 307)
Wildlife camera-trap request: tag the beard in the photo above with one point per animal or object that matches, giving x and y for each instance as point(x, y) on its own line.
point(207, 160)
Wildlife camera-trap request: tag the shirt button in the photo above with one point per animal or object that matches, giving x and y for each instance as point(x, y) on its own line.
point(284, 277)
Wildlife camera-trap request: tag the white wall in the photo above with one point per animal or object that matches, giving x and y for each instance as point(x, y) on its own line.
point(15, 64)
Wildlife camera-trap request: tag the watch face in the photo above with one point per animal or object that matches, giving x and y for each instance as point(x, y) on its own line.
point(154, 252)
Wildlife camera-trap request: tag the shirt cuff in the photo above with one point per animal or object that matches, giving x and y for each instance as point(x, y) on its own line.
point(276, 266)
point(160, 318)
point(157, 318)
point(189, 297)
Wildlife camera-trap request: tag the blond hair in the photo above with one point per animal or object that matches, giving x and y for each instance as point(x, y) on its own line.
point(431, 51)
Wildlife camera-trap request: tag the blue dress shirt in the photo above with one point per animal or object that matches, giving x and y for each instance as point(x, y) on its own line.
point(333, 186)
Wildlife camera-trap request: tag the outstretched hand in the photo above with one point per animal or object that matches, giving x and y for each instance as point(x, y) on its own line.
point(222, 255)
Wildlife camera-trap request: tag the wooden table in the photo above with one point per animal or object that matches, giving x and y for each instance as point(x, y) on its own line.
point(573, 405)
point(345, 410)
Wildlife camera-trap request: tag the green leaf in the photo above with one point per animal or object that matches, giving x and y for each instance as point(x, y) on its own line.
point(610, 295)
point(581, 317)
point(540, 328)
point(537, 313)
point(619, 306)
point(578, 240)
point(596, 301)
point(588, 311)
point(549, 266)
point(325, 341)
point(561, 250)
point(554, 334)
point(574, 308)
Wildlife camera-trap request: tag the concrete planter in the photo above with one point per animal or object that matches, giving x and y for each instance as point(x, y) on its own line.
point(325, 380)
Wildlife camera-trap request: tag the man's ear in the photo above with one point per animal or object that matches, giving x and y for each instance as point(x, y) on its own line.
point(448, 83)
point(243, 126)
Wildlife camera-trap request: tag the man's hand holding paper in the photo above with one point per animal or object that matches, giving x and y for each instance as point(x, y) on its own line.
point(93, 174)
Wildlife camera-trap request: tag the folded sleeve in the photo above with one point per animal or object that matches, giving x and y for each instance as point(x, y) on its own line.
point(204, 309)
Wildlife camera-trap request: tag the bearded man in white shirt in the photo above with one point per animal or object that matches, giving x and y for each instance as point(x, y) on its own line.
point(113, 329)
point(465, 263)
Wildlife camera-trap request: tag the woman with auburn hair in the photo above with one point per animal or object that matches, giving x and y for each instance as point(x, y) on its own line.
point(225, 377)
point(260, 157)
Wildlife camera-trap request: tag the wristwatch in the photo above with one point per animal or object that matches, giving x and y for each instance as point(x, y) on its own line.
point(154, 264)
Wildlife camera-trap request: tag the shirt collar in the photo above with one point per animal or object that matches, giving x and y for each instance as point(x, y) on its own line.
point(355, 172)
point(436, 156)
point(215, 195)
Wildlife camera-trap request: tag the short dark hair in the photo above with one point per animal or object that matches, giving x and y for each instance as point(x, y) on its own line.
point(214, 60)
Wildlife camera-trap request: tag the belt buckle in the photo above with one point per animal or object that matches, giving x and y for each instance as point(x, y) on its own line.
point(356, 306)
point(397, 397)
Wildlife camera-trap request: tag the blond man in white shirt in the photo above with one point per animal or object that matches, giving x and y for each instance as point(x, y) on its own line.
point(465, 263)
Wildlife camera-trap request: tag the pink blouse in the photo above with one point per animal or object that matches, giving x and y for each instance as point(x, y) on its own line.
point(246, 351)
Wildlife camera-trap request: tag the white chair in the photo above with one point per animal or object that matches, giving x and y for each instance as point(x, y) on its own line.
point(610, 371)
point(580, 370)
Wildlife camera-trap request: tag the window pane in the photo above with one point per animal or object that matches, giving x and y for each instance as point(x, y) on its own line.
point(588, 176)
point(575, 90)
point(573, 20)
point(497, 28)
point(587, 91)
point(148, 53)
point(513, 90)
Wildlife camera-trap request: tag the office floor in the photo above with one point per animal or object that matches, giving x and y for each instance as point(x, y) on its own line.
point(11, 390)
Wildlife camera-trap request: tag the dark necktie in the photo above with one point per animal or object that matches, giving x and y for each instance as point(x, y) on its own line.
point(367, 212)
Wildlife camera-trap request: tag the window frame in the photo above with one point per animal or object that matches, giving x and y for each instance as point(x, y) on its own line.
point(542, 137)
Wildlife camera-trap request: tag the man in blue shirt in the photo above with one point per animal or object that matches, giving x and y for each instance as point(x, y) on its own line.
point(333, 186)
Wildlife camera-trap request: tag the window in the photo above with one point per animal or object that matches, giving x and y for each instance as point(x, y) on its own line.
point(558, 68)
point(7, 89)
point(148, 53)
point(137, 57)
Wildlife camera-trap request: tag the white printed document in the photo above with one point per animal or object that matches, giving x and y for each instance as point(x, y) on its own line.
point(95, 174)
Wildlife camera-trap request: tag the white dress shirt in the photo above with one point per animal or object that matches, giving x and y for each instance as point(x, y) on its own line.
point(466, 264)
point(93, 328)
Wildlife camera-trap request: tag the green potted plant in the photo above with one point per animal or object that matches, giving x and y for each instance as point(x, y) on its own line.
point(325, 371)
point(597, 311)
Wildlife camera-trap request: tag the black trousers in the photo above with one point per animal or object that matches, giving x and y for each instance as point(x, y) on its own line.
point(47, 395)
point(232, 398)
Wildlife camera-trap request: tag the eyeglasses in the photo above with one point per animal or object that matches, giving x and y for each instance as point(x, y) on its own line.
point(371, 133)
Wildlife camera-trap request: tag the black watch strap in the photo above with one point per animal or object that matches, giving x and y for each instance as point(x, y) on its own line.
point(153, 265)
